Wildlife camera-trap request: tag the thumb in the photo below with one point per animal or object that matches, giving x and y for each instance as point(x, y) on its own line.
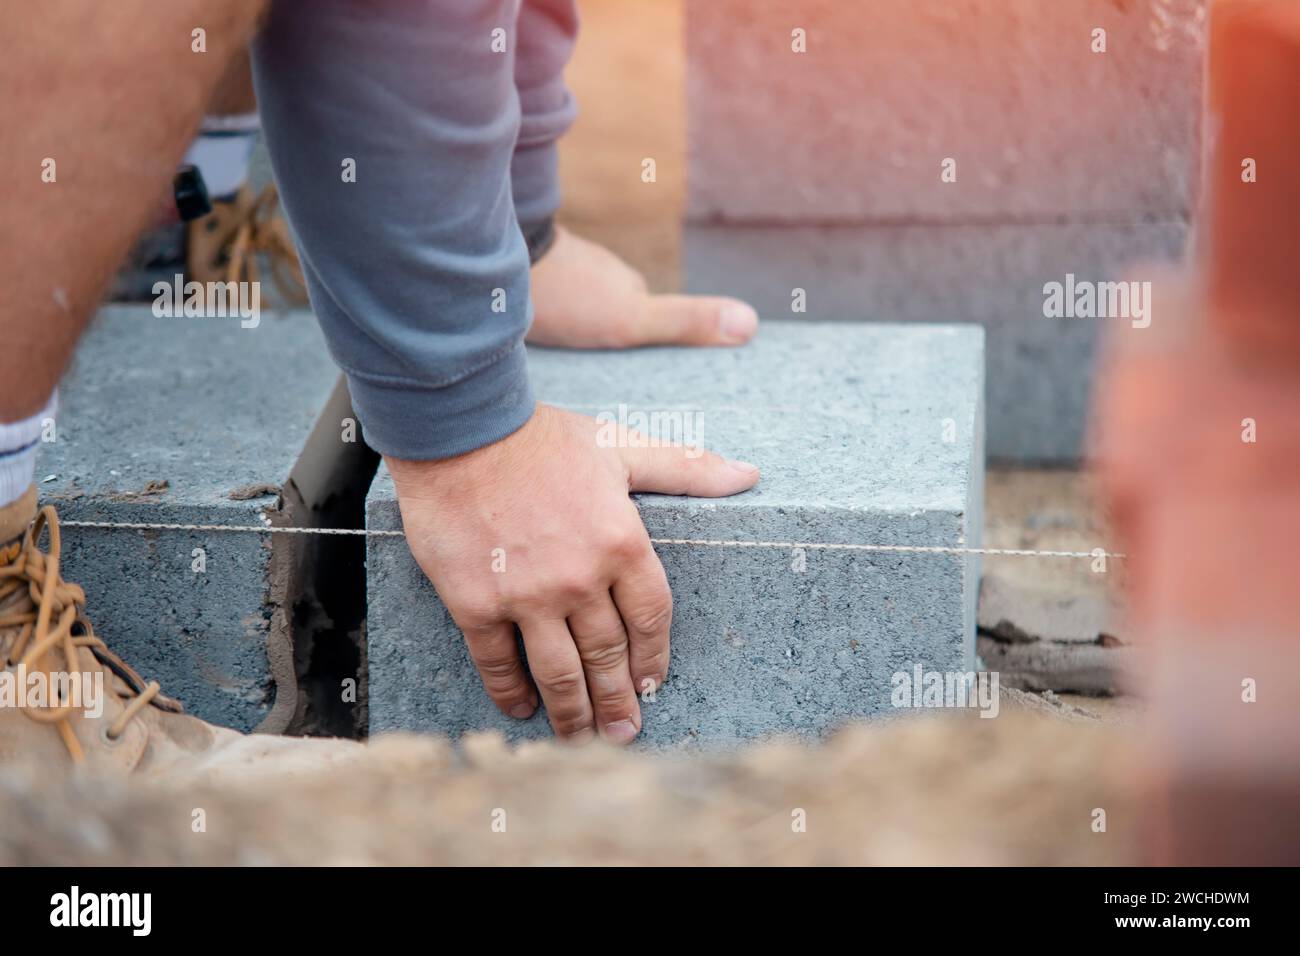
point(686, 470)
point(693, 320)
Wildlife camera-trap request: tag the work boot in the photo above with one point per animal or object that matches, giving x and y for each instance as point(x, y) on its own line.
point(228, 244)
point(225, 245)
point(121, 724)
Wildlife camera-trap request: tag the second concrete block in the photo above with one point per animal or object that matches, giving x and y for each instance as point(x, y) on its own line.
point(866, 434)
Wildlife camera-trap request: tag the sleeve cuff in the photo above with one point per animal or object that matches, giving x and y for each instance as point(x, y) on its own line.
point(420, 423)
point(539, 238)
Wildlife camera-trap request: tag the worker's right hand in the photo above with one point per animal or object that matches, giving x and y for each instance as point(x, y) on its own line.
point(537, 530)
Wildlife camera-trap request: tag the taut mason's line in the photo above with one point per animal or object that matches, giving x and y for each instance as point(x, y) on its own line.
point(692, 542)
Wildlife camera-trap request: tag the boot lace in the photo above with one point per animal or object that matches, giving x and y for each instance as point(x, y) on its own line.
point(49, 612)
point(264, 233)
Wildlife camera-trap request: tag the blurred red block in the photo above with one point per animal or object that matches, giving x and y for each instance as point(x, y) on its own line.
point(1254, 103)
point(1197, 435)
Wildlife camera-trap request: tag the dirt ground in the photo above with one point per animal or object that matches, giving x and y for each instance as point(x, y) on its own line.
point(955, 790)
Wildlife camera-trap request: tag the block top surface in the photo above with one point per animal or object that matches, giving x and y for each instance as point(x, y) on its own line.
point(846, 419)
point(201, 403)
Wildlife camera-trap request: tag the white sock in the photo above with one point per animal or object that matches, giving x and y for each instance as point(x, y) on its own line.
point(222, 152)
point(18, 443)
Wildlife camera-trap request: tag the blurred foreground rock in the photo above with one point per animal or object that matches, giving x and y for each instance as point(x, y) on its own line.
point(1019, 789)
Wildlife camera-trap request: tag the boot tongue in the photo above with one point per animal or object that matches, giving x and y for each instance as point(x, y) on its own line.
point(14, 521)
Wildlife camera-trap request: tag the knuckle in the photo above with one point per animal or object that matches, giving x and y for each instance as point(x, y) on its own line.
point(498, 671)
point(611, 691)
point(605, 653)
point(570, 715)
point(474, 611)
point(625, 543)
point(515, 595)
point(559, 589)
point(613, 702)
point(652, 618)
point(562, 684)
point(574, 585)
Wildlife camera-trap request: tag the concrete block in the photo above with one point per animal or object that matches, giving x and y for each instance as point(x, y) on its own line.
point(856, 128)
point(218, 413)
point(866, 434)
point(1039, 369)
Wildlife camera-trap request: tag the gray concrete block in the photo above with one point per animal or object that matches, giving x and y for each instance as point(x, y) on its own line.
point(865, 433)
point(1039, 369)
point(210, 408)
point(855, 129)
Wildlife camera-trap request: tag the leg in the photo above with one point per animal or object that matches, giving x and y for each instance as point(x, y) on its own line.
point(127, 98)
point(242, 230)
point(111, 167)
point(234, 93)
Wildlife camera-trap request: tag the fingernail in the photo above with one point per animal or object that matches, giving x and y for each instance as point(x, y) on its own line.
point(741, 465)
point(522, 711)
point(620, 732)
point(584, 736)
point(737, 322)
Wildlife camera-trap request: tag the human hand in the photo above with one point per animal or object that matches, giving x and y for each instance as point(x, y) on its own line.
point(537, 530)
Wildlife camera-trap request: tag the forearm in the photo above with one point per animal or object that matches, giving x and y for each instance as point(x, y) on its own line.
point(545, 35)
point(416, 266)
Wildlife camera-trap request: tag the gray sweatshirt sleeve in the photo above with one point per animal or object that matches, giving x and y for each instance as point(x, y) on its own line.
point(415, 263)
point(547, 31)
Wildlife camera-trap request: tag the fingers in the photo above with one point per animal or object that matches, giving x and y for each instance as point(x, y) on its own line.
point(602, 645)
point(495, 652)
point(679, 470)
point(557, 669)
point(645, 605)
point(693, 320)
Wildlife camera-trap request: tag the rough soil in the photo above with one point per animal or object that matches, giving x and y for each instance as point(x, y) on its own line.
point(1019, 789)
point(1057, 510)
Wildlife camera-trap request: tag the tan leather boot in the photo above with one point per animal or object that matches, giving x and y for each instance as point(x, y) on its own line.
point(120, 723)
point(226, 244)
